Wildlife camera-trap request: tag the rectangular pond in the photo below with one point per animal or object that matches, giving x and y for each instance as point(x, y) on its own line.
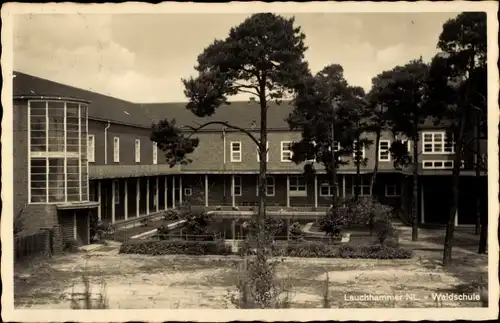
point(238, 228)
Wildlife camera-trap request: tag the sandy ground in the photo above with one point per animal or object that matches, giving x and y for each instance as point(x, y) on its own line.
point(138, 282)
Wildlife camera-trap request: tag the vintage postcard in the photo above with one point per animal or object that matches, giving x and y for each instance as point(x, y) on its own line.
point(249, 161)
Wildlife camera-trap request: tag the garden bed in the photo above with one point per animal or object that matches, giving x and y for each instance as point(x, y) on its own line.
point(291, 249)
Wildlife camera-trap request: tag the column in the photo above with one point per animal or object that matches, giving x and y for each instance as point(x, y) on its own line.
point(343, 186)
point(456, 217)
point(147, 195)
point(75, 236)
point(137, 197)
point(287, 190)
point(157, 195)
point(125, 202)
point(422, 206)
point(233, 198)
point(165, 193)
point(233, 229)
point(99, 209)
point(173, 191)
point(180, 190)
point(316, 191)
point(113, 200)
point(206, 190)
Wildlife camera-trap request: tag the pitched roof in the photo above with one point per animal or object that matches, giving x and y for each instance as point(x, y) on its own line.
point(241, 114)
point(244, 114)
point(101, 106)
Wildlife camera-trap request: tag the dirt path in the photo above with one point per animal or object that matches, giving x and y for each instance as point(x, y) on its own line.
point(138, 281)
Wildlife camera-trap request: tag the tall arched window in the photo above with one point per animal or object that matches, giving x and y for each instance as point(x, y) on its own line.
point(58, 168)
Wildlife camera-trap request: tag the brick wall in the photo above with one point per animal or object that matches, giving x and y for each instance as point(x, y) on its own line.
point(20, 172)
point(66, 222)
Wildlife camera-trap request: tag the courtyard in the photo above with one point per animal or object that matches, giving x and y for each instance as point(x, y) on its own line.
point(179, 281)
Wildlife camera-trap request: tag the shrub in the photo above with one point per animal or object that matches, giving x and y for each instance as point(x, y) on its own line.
point(175, 247)
point(365, 210)
point(198, 221)
point(272, 227)
point(171, 215)
point(84, 300)
point(295, 232)
point(384, 229)
point(374, 252)
point(70, 245)
point(334, 221)
point(258, 286)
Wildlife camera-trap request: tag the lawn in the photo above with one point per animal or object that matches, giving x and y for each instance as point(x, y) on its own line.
point(137, 281)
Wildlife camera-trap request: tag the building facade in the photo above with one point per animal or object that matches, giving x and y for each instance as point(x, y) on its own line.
point(80, 154)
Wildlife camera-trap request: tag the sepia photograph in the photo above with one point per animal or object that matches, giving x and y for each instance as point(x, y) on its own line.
point(191, 158)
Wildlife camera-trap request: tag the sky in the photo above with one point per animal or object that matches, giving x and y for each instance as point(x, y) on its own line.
point(142, 57)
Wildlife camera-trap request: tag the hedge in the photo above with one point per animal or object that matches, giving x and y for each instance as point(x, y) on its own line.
point(304, 250)
point(322, 250)
point(175, 247)
point(374, 252)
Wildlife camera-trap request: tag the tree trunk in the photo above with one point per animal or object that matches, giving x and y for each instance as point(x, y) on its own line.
point(414, 209)
point(450, 227)
point(334, 160)
point(478, 175)
point(483, 235)
point(358, 167)
point(375, 168)
point(261, 213)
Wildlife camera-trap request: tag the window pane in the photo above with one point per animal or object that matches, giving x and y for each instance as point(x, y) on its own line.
point(38, 123)
point(72, 166)
point(56, 179)
point(38, 180)
point(37, 108)
point(38, 141)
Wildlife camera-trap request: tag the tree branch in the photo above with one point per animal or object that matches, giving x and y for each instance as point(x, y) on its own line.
point(248, 133)
point(246, 88)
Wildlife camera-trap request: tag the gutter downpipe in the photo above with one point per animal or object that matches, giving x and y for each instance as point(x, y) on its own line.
point(224, 159)
point(106, 143)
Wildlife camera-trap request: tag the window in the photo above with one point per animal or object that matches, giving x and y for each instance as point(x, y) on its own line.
point(237, 186)
point(137, 151)
point(58, 152)
point(438, 164)
point(91, 148)
point(188, 192)
point(116, 192)
point(361, 151)
point(298, 186)
point(383, 152)
point(392, 190)
point(155, 153)
point(235, 151)
point(116, 150)
point(270, 186)
point(436, 143)
point(364, 186)
point(267, 153)
point(286, 151)
point(325, 189)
